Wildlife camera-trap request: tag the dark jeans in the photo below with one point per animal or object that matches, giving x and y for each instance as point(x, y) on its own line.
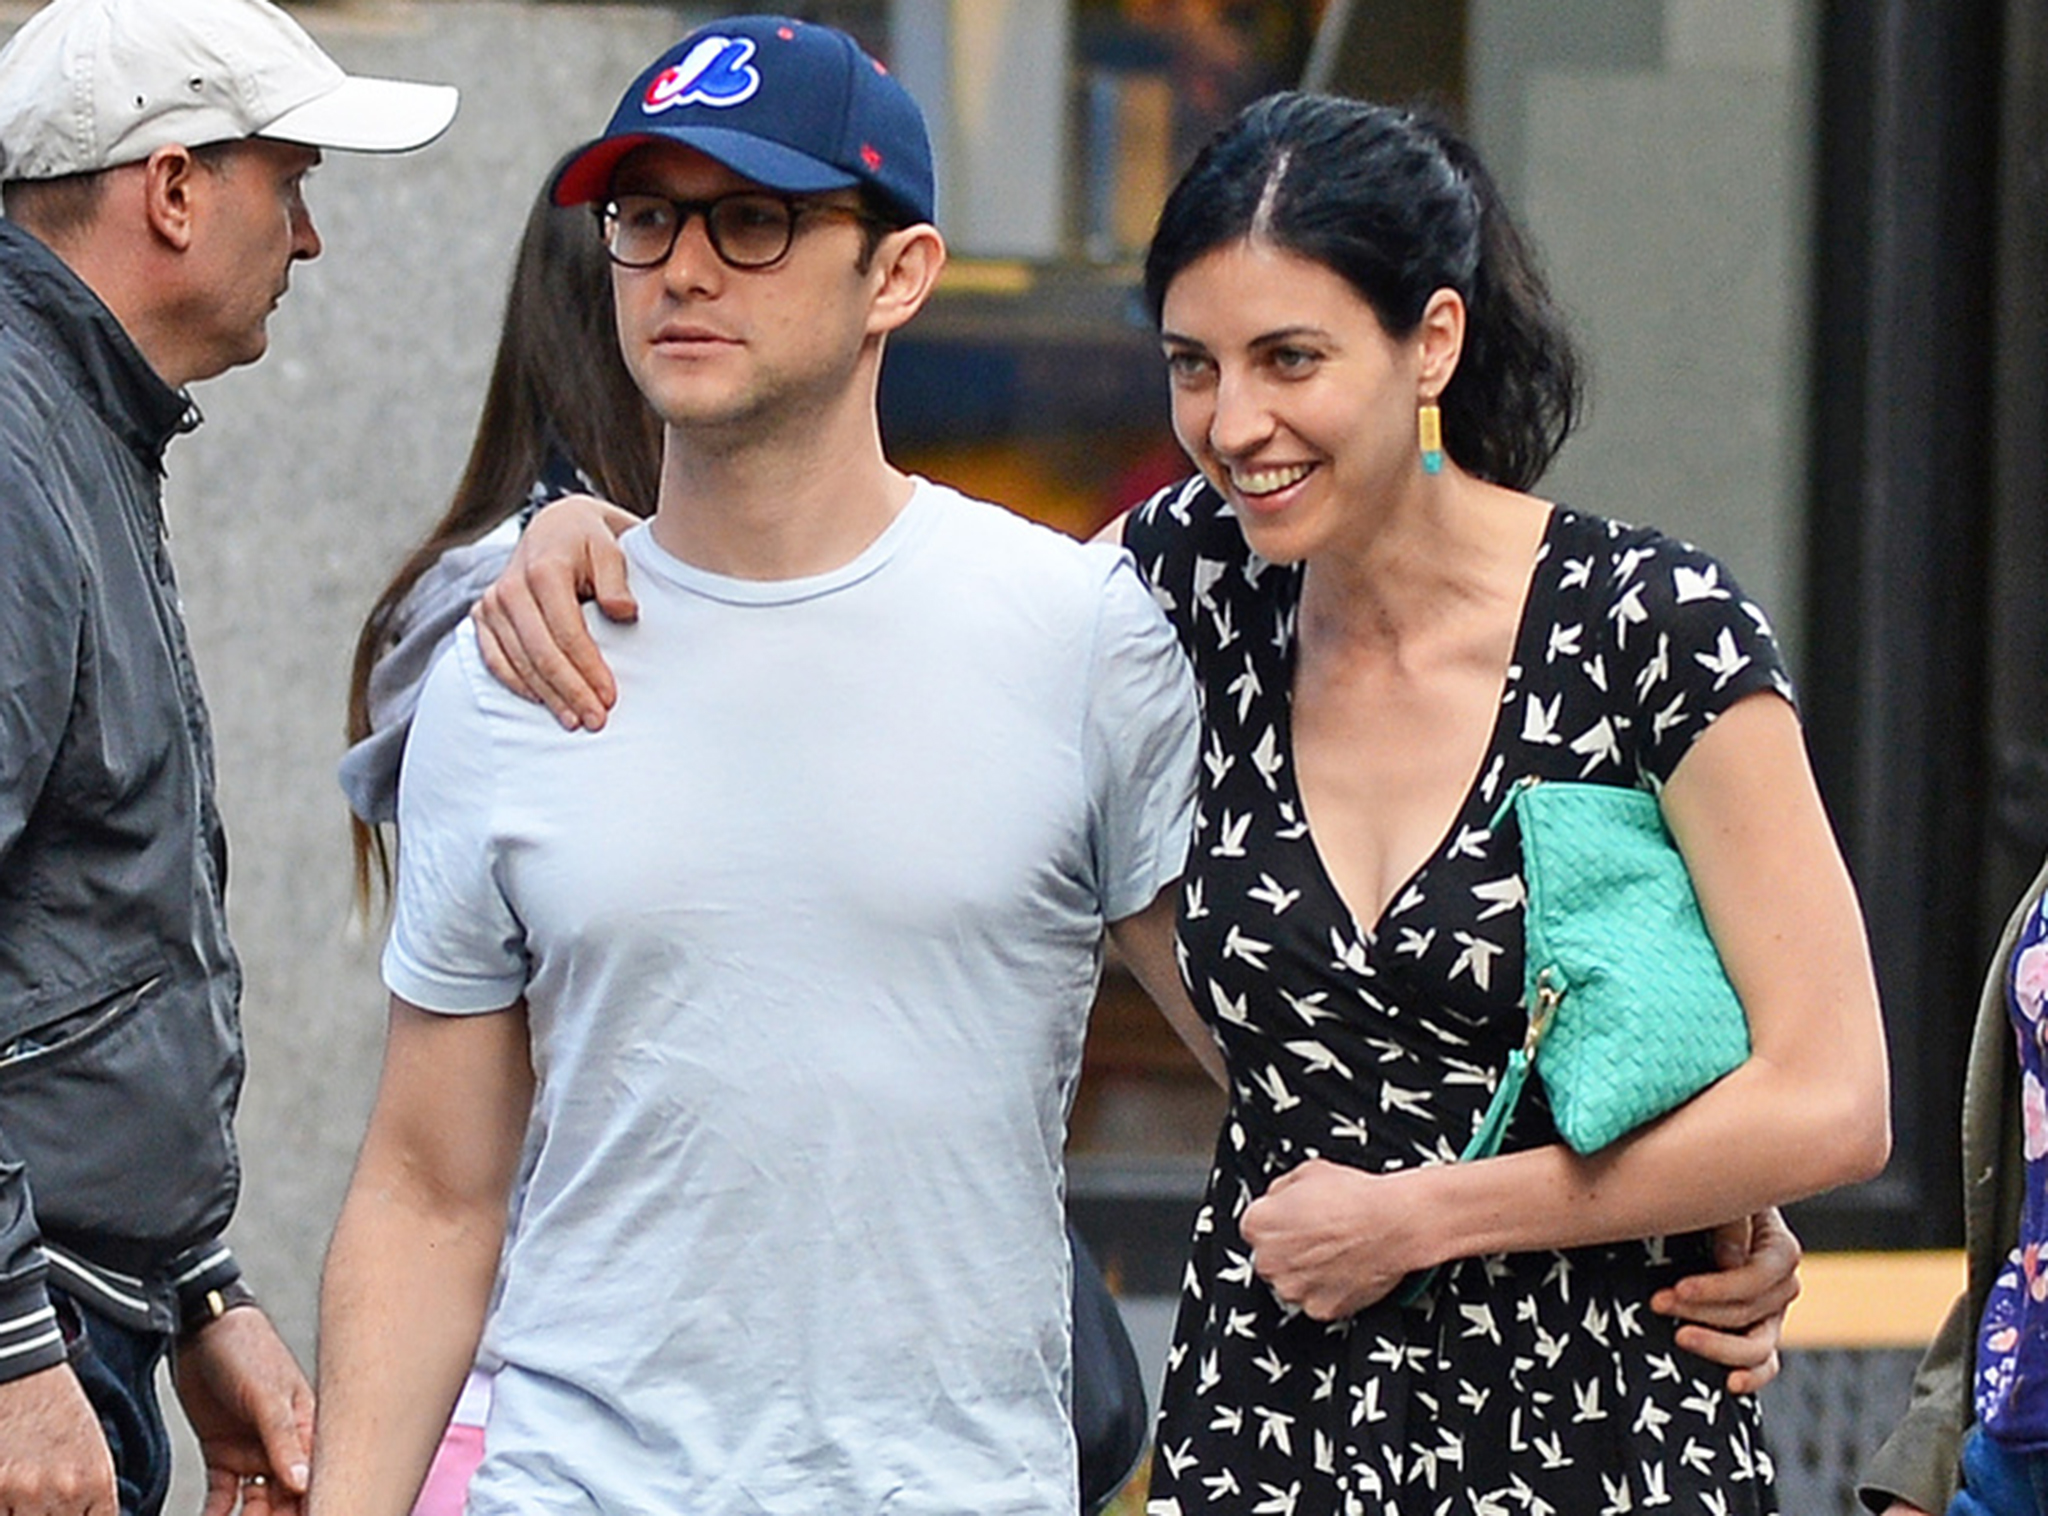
point(118, 1369)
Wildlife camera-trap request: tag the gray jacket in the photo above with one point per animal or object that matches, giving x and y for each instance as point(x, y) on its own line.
point(120, 1046)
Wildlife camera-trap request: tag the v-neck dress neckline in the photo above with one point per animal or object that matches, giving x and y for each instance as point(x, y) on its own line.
point(1528, 615)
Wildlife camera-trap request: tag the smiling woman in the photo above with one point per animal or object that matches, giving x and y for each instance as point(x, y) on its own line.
point(1294, 398)
point(1388, 636)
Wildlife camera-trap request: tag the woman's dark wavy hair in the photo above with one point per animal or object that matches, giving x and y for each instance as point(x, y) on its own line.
point(558, 382)
point(1399, 206)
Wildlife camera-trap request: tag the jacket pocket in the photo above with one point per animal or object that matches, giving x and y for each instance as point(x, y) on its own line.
point(120, 1109)
point(73, 1030)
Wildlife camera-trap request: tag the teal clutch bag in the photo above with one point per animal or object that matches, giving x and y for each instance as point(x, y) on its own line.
point(1630, 1011)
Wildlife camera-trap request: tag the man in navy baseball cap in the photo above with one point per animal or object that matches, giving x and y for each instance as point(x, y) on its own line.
point(790, 105)
point(772, 993)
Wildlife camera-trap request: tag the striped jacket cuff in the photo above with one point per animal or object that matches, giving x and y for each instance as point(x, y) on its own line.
point(199, 1277)
point(30, 1339)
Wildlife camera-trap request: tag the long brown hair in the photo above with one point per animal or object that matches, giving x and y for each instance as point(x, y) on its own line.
point(558, 384)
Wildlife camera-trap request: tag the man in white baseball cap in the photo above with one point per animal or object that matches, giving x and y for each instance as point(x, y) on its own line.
point(151, 160)
point(91, 84)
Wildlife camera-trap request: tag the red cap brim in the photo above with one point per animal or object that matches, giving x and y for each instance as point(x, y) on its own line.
point(588, 175)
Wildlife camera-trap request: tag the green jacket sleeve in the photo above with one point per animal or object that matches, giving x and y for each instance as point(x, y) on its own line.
point(1918, 1462)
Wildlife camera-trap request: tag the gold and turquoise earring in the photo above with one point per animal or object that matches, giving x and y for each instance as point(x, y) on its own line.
point(1430, 422)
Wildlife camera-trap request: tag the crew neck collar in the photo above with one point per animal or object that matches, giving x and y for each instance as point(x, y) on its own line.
point(649, 554)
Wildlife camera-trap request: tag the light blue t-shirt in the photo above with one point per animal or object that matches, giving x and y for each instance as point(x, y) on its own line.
point(808, 934)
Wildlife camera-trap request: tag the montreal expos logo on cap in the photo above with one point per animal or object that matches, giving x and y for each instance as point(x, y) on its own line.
point(715, 72)
point(791, 105)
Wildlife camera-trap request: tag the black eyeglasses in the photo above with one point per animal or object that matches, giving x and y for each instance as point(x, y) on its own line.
point(747, 229)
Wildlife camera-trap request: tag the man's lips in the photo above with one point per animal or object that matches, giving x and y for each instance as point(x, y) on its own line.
point(693, 336)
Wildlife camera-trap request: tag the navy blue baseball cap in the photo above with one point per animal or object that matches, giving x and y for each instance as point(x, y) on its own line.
point(791, 105)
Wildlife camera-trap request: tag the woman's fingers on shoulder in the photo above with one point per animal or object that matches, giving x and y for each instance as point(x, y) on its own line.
point(501, 652)
point(611, 588)
point(523, 654)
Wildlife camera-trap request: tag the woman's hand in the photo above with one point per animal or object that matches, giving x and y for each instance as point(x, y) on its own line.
point(1333, 1240)
point(529, 625)
point(1735, 1315)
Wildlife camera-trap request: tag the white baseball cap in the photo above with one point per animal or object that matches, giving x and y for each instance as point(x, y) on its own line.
point(90, 84)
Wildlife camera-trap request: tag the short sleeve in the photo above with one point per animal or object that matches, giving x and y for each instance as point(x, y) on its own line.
point(1139, 746)
point(456, 946)
point(1683, 644)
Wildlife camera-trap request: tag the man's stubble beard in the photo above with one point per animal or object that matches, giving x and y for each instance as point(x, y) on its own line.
point(775, 412)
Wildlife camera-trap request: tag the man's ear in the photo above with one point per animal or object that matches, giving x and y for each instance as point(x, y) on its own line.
point(169, 182)
point(906, 267)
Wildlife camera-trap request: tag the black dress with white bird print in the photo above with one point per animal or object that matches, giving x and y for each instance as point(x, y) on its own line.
point(1530, 1383)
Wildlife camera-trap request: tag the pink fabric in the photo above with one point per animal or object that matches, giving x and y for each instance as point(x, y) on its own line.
point(447, 1486)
